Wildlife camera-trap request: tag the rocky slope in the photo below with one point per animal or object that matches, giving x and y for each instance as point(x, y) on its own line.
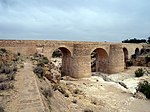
point(99, 93)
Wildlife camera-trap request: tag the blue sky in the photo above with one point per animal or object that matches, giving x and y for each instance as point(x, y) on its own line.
point(81, 20)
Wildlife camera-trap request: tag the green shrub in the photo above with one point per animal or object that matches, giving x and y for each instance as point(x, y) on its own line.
point(40, 64)
point(45, 60)
point(2, 79)
point(2, 70)
point(22, 66)
point(60, 89)
point(11, 76)
point(47, 92)
point(15, 68)
point(3, 50)
point(129, 63)
point(39, 71)
point(42, 61)
point(6, 86)
point(57, 53)
point(7, 69)
point(144, 87)
point(139, 72)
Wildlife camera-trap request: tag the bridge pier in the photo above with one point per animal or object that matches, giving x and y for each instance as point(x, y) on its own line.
point(116, 59)
point(81, 67)
point(81, 62)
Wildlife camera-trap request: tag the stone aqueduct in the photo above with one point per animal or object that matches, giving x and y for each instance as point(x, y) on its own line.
point(76, 60)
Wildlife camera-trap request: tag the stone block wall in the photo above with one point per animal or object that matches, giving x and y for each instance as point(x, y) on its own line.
point(78, 63)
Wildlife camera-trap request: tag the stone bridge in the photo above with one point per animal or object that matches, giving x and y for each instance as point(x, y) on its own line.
point(76, 59)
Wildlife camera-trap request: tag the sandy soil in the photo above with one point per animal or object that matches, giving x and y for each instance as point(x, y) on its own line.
point(27, 97)
point(93, 94)
point(107, 96)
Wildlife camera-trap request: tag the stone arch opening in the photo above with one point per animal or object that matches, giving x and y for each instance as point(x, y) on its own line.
point(137, 52)
point(99, 60)
point(125, 51)
point(63, 55)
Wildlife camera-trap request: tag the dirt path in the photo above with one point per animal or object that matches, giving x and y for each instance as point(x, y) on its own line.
point(28, 98)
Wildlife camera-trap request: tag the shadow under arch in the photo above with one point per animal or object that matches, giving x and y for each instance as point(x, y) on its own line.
point(99, 60)
point(126, 57)
point(65, 54)
point(137, 52)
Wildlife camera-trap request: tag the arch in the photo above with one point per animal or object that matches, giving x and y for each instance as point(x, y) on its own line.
point(137, 52)
point(66, 60)
point(125, 51)
point(100, 63)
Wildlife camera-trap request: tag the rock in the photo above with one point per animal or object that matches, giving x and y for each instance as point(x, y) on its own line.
point(48, 75)
point(139, 95)
point(105, 78)
point(123, 84)
point(131, 84)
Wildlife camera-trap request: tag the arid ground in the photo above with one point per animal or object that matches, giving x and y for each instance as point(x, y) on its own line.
point(98, 93)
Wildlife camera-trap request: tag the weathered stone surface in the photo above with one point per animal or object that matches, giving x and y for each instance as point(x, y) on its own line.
point(29, 99)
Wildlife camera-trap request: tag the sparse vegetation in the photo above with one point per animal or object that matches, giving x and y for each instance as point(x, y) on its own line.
point(129, 63)
point(39, 71)
point(39, 58)
point(11, 76)
point(144, 87)
point(57, 53)
point(41, 61)
point(2, 50)
point(9, 63)
point(148, 41)
point(139, 72)
point(21, 65)
point(47, 92)
point(45, 68)
point(8, 67)
point(6, 86)
point(45, 60)
point(134, 40)
point(93, 62)
point(60, 89)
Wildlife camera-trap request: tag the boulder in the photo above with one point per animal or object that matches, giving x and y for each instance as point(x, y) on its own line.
point(139, 95)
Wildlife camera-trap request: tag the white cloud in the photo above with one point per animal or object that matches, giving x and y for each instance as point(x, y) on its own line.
point(96, 20)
